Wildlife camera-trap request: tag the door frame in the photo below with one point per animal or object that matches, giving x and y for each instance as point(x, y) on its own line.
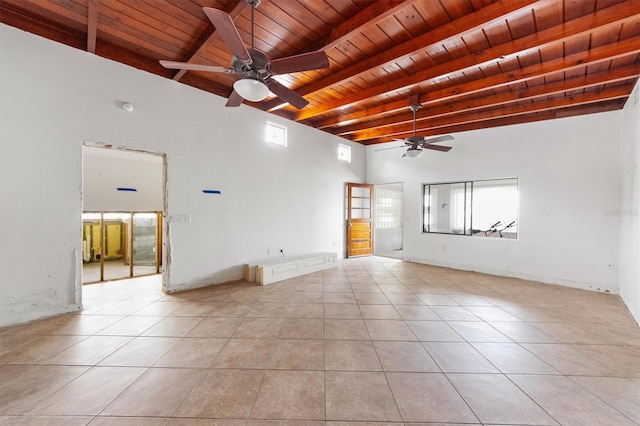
point(376, 231)
point(163, 249)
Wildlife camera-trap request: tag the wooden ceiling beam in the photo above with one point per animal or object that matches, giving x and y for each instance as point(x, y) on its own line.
point(15, 16)
point(508, 111)
point(576, 83)
point(605, 18)
point(133, 59)
point(378, 11)
point(612, 105)
point(430, 39)
point(92, 25)
point(367, 18)
point(597, 55)
point(207, 38)
point(44, 27)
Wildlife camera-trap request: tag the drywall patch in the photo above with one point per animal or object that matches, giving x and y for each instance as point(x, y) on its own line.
point(42, 304)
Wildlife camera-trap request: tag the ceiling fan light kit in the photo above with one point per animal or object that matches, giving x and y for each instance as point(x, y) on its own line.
point(414, 152)
point(251, 89)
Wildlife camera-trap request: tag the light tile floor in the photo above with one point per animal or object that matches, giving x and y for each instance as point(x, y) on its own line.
point(374, 340)
point(113, 270)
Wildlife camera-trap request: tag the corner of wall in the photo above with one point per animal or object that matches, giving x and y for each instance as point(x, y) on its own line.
point(595, 287)
point(629, 211)
point(20, 312)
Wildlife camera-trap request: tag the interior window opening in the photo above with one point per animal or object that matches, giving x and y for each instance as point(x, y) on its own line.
point(484, 208)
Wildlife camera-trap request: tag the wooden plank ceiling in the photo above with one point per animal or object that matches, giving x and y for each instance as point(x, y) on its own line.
point(472, 63)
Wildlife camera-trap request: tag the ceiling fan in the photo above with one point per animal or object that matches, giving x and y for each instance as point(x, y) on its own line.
point(254, 67)
point(417, 143)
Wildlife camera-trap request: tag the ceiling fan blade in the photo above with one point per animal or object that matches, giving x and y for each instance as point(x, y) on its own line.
point(195, 67)
point(228, 31)
point(235, 100)
point(437, 139)
point(303, 62)
point(286, 94)
point(393, 147)
point(404, 141)
point(436, 147)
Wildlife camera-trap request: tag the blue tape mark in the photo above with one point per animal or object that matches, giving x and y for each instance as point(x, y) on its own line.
point(127, 189)
point(211, 191)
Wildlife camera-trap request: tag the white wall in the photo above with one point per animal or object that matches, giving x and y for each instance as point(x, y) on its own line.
point(106, 170)
point(630, 207)
point(569, 177)
point(271, 198)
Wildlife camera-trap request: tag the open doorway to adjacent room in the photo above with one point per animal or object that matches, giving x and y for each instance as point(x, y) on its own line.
point(123, 203)
point(387, 230)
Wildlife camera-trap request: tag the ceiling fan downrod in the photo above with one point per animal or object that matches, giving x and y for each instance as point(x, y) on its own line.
point(415, 109)
point(253, 4)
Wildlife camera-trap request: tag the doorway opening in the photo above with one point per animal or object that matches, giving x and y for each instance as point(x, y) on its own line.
point(123, 202)
point(387, 215)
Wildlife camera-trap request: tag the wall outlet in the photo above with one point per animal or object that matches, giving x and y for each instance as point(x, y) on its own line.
point(268, 251)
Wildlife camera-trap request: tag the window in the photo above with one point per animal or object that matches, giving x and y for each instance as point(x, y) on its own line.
point(275, 134)
point(360, 202)
point(446, 207)
point(484, 208)
point(495, 208)
point(344, 153)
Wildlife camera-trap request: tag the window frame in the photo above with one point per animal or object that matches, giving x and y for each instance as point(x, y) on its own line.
point(272, 125)
point(344, 148)
point(468, 206)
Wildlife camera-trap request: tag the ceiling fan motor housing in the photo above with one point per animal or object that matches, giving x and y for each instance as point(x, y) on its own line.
point(255, 69)
point(414, 140)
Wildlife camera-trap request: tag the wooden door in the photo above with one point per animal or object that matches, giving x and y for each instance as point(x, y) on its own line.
point(359, 219)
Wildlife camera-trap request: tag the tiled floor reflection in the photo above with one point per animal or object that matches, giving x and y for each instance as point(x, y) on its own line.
point(374, 341)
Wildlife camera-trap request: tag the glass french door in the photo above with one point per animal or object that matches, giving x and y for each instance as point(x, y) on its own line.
point(117, 245)
point(145, 244)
